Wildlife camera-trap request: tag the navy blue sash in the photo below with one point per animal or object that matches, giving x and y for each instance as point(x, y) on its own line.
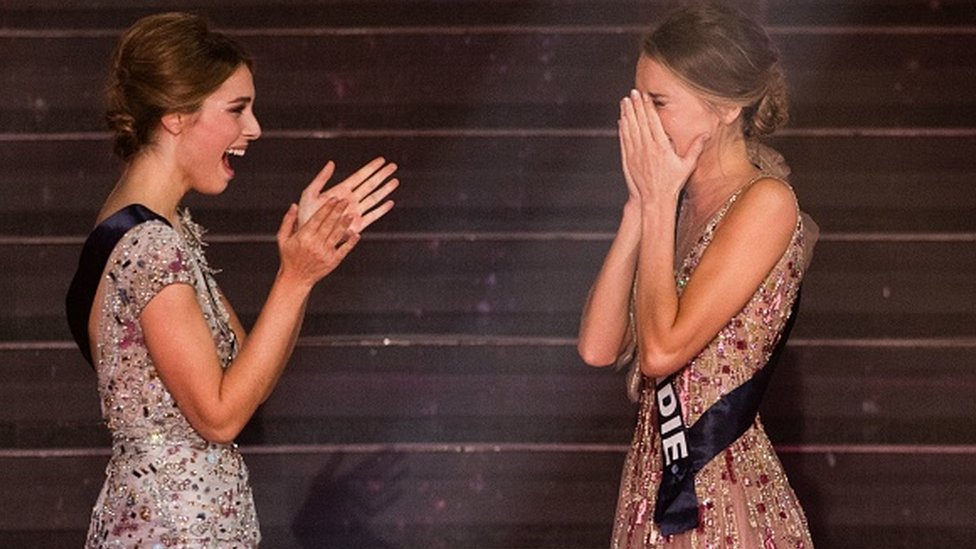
point(687, 450)
point(81, 294)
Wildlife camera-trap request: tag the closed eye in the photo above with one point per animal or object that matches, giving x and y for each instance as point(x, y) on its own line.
point(239, 105)
point(657, 99)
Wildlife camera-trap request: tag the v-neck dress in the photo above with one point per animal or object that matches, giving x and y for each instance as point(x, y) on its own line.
point(745, 500)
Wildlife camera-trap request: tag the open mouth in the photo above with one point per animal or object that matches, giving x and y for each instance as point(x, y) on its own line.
point(228, 154)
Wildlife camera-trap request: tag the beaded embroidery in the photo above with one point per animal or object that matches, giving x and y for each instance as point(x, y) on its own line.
point(165, 485)
point(745, 500)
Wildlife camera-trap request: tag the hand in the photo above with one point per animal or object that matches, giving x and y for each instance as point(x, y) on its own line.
point(313, 250)
point(652, 168)
point(364, 191)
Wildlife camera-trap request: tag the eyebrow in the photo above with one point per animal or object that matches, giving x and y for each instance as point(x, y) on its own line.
point(242, 99)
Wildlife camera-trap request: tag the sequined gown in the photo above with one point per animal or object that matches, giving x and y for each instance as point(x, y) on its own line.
point(165, 485)
point(745, 500)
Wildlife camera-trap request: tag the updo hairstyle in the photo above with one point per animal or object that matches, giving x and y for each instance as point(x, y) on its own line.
point(162, 64)
point(727, 58)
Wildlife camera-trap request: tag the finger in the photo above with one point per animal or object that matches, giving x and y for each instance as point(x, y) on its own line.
point(625, 157)
point(629, 135)
point(318, 183)
point(332, 208)
point(624, 123)
point(654, 126)
point(695, 150)
point(375, 180)
point(375, 214)
point(377, 196)
point(362, 173)
point(287, 226)
point(337, 231)
point(636, 135)
point(637, 121)
point(343, 249)
point(640, 102)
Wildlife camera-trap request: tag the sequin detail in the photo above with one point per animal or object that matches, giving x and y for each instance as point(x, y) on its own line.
point(745, 500)
point(165, 485)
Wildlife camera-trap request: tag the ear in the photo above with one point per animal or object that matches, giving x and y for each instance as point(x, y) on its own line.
point(173, 122)
point(729, 113)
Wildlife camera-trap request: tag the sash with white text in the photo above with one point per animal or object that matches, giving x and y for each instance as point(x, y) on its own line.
point(686, 450)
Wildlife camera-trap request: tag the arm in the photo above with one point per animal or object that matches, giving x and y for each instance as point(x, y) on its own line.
point(217, 402)
point(235, 322)
point(604, 328)
point(604, 332)
point(748, 243)
point(605, 324)
point(366, 190)
point(746, 246)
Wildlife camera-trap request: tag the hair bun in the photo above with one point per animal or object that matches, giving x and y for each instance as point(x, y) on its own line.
point(728, 59)
point(168, 62)
point(123, 127)
point(772, 110)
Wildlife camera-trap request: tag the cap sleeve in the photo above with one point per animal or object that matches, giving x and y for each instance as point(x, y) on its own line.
point(151, 257)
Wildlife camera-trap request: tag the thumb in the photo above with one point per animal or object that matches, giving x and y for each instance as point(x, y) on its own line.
point(317, 184)
point(696, 148)
point(288, 222)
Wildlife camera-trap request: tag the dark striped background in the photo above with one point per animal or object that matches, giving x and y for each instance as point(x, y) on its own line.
point(435, 399)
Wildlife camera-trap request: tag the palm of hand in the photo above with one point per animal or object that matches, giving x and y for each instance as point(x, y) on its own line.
point(365, 192)
point(309, 204)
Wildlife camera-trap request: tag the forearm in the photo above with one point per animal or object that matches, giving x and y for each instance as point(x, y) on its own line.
point(605, 318)
point(656, 294)
point(255, 371)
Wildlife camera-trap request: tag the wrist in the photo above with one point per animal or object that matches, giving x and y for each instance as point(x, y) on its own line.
point(659, 204)
point(292, 283)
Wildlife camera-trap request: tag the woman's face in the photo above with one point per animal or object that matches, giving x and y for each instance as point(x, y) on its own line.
point(219, 130)
point(683, 113)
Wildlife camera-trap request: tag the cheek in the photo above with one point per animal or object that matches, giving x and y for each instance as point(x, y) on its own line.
point(674, 126)
point(669, 122)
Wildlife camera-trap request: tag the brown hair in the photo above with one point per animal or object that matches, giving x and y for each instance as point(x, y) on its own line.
point(727, 58)
point(164, 63)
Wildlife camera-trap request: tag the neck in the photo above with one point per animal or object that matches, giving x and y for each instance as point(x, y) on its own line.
point(149, 181)
point(721, 170)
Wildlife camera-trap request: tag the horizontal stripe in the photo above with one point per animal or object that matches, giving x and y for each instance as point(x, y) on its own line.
point(504, 448)
point(502, 29)
point(601, 133)
point(512, 236)
point(466, 340)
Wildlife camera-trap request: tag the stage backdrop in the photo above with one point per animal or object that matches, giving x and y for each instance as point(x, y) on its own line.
point(435, 399)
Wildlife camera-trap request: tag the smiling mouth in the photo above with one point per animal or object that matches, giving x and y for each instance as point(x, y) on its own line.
point(228, 154)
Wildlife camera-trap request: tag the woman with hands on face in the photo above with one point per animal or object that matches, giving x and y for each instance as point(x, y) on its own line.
point(699, 286)
point(178, 376)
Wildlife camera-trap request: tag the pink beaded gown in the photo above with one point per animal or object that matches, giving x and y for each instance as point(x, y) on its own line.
point(165, 485)
point(744, 498)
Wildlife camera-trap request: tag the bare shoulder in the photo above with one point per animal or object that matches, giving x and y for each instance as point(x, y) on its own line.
point(769, 202)
point(762, 219)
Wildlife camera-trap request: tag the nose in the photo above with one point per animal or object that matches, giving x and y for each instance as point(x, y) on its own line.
point(252, 128)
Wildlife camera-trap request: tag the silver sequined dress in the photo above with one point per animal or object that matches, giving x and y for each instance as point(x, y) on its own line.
point(165, 485)
point(745, 500)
